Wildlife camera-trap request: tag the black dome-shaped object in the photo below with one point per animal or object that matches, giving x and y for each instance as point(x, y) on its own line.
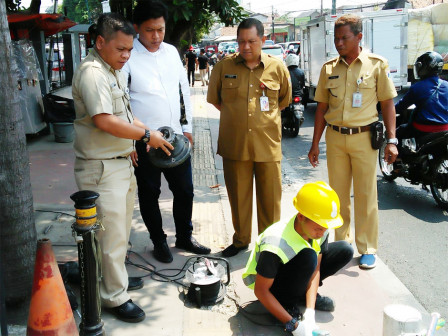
point(179, 154)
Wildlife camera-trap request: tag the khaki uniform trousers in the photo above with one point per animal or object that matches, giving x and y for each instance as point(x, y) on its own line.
point(114, 180)
point(351, 158)
point(239, 177)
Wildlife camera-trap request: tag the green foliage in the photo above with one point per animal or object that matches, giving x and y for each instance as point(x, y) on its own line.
point(82, 11)
point(191, 19)
point(13, 5)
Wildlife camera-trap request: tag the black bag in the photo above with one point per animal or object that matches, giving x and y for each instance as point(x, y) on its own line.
point(58, 109)
point(377, 132)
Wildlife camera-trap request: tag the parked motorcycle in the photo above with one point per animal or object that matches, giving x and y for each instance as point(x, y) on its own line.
point(293, 117)
point(423, 161)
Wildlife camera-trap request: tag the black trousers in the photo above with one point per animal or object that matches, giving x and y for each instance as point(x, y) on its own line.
point(180, 182)
point(190, 72)
point(291, 282)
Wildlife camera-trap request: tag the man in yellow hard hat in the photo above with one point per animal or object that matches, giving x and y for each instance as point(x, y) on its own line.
point(290, 259)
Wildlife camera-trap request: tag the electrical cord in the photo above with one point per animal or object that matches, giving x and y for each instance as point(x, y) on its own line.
point(160, 275)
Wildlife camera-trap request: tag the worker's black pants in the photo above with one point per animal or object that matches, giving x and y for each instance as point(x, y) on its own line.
point(291, 281)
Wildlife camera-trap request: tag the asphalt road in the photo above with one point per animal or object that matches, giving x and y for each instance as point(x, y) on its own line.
point(413, 230)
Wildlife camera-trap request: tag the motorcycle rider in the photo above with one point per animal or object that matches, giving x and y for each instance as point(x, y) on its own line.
point(430, 96)
point(297, 75)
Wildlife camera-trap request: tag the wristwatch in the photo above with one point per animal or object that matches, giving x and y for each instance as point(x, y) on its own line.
point(145, 139)
point(291, 325)
point(393, 141)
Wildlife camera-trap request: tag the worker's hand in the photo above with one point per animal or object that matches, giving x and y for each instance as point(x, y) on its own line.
point(313, 155)
point(390, 153)
point(308, 324)
point(158, 141)
point(134, 158)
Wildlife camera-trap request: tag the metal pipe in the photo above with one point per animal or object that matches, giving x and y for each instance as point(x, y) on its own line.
point(89, 262)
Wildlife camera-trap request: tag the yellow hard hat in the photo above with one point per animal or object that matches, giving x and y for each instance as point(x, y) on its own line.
point(320, 203)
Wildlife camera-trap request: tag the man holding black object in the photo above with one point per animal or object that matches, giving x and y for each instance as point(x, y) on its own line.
point(105, 130)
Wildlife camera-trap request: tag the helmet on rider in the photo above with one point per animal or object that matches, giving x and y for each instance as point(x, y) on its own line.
point(291, 60)
point(318, 202)
point(427, 65)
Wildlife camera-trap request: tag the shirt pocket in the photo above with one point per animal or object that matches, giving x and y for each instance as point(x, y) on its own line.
point(118, 101)
point(368, 83)
point(336, 88)
point(272, 92)
point(229, 89)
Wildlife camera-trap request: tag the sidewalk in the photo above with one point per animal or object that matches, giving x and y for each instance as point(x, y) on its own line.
point(360, 296)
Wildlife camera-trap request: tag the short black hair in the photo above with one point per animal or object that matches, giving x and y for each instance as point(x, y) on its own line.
point(110, 23)
point(202, 50)
point(92, 33)
point(249, 23)
point(149, 9)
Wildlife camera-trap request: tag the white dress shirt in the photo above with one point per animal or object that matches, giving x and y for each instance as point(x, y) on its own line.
point(154, 87)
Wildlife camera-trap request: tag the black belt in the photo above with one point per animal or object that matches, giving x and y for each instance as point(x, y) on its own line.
point(349, 130)
point(119, 157)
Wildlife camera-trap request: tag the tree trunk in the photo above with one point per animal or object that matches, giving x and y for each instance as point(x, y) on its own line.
point(35, 7)
point(17, 229)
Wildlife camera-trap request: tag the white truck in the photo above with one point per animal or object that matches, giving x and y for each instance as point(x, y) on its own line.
point(399, 35)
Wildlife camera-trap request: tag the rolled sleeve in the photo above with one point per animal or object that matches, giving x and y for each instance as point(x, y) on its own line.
point(385, 86)
point(321, 94)
point(214, 86)
point(285, 94)
point(96, 92)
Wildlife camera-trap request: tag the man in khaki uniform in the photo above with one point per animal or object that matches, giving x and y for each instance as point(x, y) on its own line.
point(105, 129)
point(349, 88)
point(250, 88)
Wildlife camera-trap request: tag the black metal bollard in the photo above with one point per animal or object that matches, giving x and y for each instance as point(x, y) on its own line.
point(89, 266)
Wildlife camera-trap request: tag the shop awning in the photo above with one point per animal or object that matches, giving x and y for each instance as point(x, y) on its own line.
point(49, 23)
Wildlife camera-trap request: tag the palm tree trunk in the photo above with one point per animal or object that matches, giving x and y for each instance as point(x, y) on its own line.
point(17, 229)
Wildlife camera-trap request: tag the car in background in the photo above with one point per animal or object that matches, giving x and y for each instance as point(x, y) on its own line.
point(222, 46)
point(211, 49)
point(268, 42)
point(275, 50)
point(230, 48)
point(295, 45)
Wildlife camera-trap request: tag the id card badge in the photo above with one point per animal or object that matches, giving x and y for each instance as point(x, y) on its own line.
point(357, 99)
point(264, 104)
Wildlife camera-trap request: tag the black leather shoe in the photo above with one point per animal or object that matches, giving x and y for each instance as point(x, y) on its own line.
point(192, 245)
point(128, 312)
point(324, 303)
point(232, 250)
point(162, 252)
point(135, 283)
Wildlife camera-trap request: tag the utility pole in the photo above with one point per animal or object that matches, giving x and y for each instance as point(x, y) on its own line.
point(321, 7)
point(273, 32)
point(333, 7)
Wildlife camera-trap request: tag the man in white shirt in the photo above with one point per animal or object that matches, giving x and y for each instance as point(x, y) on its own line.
point(154, 73)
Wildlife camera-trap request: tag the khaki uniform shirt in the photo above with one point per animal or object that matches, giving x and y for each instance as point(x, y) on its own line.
point(97, 88)
point(338, 82)
point(246, 132)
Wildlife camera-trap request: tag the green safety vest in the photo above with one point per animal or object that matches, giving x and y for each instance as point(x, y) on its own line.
point(281, 239)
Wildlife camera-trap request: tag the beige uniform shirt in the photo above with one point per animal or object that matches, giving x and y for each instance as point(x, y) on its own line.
point(338, 81)
point(97, 88)
point(246, 132)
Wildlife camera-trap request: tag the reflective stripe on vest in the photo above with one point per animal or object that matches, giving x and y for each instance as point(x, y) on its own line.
point(281, 239)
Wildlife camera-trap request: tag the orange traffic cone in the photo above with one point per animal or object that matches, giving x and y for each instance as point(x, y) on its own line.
point(50, 311)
